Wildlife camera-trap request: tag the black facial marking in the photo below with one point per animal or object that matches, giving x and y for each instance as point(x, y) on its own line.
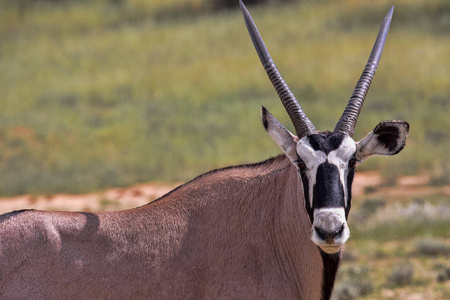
point(326, 142)
point(350, 176)
point(306, 196)
point(327, 235)
point(328, 190)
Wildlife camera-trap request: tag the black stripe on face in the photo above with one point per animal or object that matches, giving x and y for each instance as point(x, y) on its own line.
point(308, 207)
point(326, 142)
point(328, 190)
point(350, 176)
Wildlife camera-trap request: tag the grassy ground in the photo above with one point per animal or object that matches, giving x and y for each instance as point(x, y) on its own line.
point(112, 93)
point(399, 249)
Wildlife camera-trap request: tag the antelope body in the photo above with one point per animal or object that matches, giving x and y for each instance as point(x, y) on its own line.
point(272, 230)
point(222, 236)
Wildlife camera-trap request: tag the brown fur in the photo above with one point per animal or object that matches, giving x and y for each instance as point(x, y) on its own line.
point(235, 233)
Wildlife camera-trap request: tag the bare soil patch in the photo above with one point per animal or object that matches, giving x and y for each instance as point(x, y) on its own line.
point(111, 199)
point(138, 195)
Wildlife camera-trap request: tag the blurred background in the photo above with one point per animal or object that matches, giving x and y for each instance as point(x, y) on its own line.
point(114, 93)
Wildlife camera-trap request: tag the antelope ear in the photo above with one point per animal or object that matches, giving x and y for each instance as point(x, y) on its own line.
point(284, 139)
point(388, 138)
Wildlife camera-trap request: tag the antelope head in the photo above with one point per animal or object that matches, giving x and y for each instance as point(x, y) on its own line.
point(326, 160)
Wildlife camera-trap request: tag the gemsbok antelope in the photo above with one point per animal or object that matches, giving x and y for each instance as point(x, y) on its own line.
point(271, 230)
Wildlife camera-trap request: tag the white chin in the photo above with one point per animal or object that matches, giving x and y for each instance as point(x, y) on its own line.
point(330, 249)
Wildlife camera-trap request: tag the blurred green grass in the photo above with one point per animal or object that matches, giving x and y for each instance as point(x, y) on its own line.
point(100, 94)
point(399, 249)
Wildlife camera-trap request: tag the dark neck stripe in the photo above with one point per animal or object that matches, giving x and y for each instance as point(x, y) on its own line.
point(330, 267)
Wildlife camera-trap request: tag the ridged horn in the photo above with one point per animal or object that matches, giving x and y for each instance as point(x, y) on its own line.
point(303, 126)
point(348, 120)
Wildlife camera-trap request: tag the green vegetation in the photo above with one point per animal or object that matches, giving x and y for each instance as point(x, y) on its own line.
point(399, 249)
point(432, 247)
point(109, 93)
point(402, 274)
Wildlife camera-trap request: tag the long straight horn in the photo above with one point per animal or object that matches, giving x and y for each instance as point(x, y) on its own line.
point(303, 126)
point(347, 122)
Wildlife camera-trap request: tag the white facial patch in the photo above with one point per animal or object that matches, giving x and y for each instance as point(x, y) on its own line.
point(340, 158)
point(330, 220)
point(313, 158)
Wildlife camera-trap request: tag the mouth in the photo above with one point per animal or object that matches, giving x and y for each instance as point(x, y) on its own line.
point(330, 249)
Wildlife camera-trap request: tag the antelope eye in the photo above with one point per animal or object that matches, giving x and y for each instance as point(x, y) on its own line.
point(301, 165)
point(352, 163)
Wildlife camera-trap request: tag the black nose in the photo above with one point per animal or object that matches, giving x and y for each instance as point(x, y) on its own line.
point(329, 235)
